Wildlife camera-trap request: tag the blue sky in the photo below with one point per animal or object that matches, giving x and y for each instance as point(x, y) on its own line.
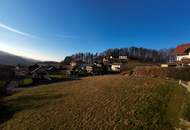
point(52, 29)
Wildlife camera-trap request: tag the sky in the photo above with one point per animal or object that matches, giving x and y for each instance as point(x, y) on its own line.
point(53, 29)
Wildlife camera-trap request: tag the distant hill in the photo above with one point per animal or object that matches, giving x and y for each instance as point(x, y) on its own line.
point(11, 59)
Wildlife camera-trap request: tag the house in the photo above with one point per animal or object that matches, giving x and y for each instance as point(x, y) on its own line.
point(117, 67)
point(73, 63)
point(52, 69)
point(39, 73)
point(107, 60)
point(67, 70)
point(97, 64)
point(89, 69)
point(21, 70)
point(72, 67)
point(168, 65)
point(182, 53)
point(75, 67)
point(78, 63)
point(164, 65)
point(123, 59)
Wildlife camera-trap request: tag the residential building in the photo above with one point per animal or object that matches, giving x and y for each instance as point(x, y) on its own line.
point(117, 67)
point(182, 52)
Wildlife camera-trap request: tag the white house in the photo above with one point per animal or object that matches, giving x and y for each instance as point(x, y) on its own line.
point(164, 65)
point(89, 69)
point(73, 63)
point(183, 52)
point(123, 57)
point(116, 67)
point(181, 57)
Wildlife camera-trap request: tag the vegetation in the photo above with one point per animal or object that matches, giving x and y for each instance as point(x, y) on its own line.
point(2, 83)
point(142, 54)
point(2, 87)
point(185, 118)
point(99, 102)
point(57, 76)
point(137, 53)
point(26, 81)
point(171, 72)
point(186, 112)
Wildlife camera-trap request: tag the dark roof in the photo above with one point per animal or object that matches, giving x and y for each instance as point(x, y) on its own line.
point(181, 49)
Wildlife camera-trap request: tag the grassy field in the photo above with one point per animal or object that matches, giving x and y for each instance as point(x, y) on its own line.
point(2, 83)
point(103, 102)
point(133, 63)
point(26, 81)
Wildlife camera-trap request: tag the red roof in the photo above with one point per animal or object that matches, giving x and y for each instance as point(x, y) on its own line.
point(180, 49)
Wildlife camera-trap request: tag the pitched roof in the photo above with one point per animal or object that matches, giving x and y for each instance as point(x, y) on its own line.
point(181, 49)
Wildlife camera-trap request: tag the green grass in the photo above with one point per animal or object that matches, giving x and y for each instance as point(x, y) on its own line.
point(130, 66)
point(57, 76)
point(2, 83)
point(177, 98)
point(100, 102)
point(186, 112)
point(26, 81)
point(133, 63)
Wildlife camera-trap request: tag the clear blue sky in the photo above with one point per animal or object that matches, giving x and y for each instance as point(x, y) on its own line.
point(52, 29)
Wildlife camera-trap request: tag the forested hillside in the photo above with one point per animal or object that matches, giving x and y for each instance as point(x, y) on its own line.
point(138, 53)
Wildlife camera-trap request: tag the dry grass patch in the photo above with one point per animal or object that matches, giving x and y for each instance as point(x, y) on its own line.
point(101, 102)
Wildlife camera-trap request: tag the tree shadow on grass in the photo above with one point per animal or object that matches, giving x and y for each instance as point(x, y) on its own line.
point(10, 107)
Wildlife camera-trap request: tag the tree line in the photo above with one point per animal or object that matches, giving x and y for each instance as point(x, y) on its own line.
point(137, 53)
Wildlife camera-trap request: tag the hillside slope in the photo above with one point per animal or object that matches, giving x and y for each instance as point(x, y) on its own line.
point(103, 102)
point(10, 59)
